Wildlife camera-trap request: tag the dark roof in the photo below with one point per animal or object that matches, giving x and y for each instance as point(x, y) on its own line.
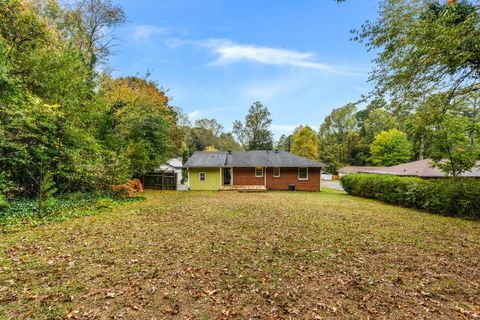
point(207, 159)
point(420, 168)
point(255, 158)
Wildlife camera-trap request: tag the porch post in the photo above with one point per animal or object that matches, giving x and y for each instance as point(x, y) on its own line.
point(265, 178)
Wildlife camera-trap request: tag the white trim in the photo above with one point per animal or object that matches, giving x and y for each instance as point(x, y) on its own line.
point(299, 173)
point(258, 176)
point(275, 176)
point(200, 176)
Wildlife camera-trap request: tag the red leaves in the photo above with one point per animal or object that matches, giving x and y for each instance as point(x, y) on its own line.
point(128, 189)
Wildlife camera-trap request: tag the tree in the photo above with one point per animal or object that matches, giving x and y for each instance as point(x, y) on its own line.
point(428, 50)
point(305, 142)
point(284, 143)
point(379, 120)
point(201, 138)
point(138, 122)
point(451, 139)
point(64, 126)
point(89, 25)
point(210, 124)
point(210, 149)
point(455, 139)
point(228, 143)
point(390, 148)
point(335, 136)
point(255, 134)
point(423, 47)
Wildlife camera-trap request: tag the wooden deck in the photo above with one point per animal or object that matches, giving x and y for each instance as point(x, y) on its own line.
point(244, 188)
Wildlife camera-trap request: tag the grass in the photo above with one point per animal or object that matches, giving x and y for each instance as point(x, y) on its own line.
point(227, 255)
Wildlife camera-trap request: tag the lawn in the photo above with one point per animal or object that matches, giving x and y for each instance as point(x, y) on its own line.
point(227, 255)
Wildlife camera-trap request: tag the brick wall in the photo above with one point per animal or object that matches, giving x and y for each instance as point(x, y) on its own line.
point(290, 176)
point(246, 177)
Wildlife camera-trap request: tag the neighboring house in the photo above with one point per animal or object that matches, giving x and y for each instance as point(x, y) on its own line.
point(420, 168)
point(272, 170)
point(357, 169)
point(175, 165)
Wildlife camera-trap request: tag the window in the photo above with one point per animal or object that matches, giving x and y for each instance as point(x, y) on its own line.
point(276, 172)
point(258, 172)
point(302, 173)
point(202, 176)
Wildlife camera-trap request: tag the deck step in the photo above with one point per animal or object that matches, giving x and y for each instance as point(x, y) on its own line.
point(244, 188)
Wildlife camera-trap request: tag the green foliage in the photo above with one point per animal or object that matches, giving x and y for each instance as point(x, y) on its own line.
point(62, 125)
point(305, 142)
point(390, 148)
point(450, 196)
point(428, 64)
point(46, 191)
point(284, 143)
point(336, 135)
point(424, 46)
point(200, 138)
point(255, 134)
point(21, 213)
point(210, 124)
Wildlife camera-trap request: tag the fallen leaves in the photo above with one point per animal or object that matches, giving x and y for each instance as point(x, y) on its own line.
point(259, 256)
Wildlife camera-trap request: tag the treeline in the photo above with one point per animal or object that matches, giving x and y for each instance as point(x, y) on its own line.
point(426, 97)
point(65, 126)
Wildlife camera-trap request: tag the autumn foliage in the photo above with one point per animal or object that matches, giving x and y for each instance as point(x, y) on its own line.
point(128, 189)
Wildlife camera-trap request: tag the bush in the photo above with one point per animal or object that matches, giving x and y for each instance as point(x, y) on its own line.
point(3, 202)
point(22, 213)
point(127, 189)
point(450, 196)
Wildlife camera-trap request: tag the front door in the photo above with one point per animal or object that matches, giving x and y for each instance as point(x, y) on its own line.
point(227, 176)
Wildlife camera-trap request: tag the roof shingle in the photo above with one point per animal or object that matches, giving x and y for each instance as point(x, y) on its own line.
point(254, 158)
point(420, 168)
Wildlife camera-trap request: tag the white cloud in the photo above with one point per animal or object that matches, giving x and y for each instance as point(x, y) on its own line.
point(144, 32)
point(231, 52)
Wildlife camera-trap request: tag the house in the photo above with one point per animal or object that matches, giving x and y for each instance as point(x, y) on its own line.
point(420, 168)
point(358, 169)
point(175, 165)
point(258, 169)
point(167, 176)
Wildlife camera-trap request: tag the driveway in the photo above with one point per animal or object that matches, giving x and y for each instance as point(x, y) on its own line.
point(334, 184)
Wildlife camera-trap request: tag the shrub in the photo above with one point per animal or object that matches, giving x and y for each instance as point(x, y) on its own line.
point(127, 189)
point(450, 196)
point(3, 202)
point(23, 212)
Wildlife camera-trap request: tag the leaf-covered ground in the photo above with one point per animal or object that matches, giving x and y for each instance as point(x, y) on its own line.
point(227, 255)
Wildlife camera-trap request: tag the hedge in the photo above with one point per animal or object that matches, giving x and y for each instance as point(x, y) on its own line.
point(449, 196)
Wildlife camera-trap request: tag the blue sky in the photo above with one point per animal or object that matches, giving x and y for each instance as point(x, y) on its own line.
point(216, 57)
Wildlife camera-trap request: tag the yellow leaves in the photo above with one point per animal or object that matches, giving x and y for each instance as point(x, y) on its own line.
point(210, 149)
point(305, 142)
point(134, 94)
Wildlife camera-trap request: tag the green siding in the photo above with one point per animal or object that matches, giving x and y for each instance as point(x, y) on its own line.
point(213, 179)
